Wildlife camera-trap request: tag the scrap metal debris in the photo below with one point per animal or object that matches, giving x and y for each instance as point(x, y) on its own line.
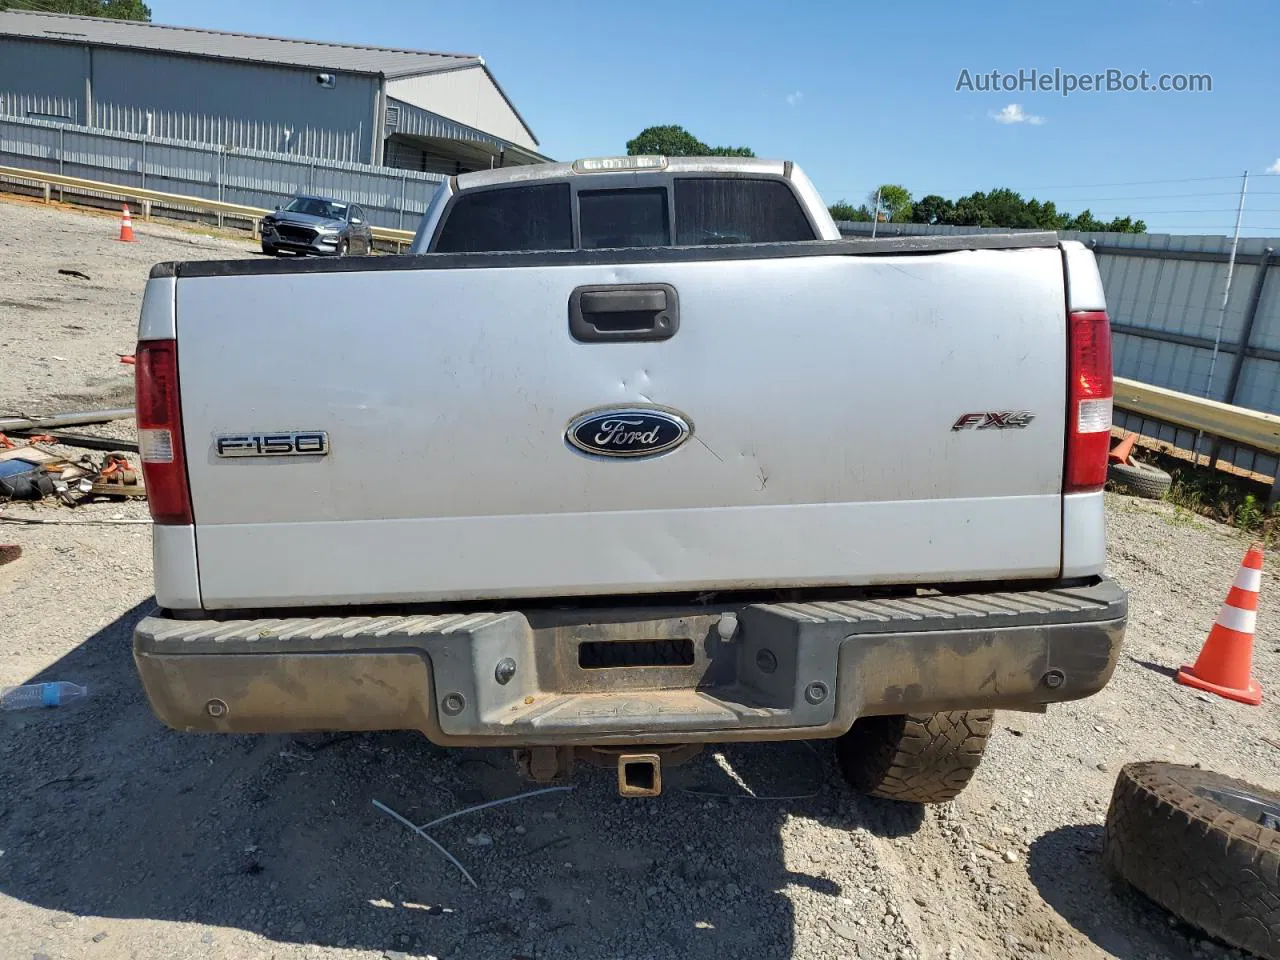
point(82, 440)
point(495, 803)
point(422, 830)
point(427, 837)
point(12, 518)
point(22, 421)
point(31, 471)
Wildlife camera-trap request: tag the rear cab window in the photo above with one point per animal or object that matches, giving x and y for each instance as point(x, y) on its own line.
point(679, 211)
point(710, 210)
point(634, 217)
point(508, 219)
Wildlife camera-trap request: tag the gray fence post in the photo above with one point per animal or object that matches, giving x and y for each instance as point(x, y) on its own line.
point(144, 163)
point(311, 177)
point(404, 183)
point(222, 154)
point(62, 141)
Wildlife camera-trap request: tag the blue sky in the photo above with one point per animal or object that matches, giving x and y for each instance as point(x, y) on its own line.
point(860, 94)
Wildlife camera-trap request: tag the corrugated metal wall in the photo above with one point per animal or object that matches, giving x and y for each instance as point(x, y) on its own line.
point(235, 104)
point(1164, 296)
point(50, 84)
point(392, 198)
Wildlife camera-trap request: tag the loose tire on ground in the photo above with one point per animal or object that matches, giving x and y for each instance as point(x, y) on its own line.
point(1141, 478)
point(915, 758)
point(1205, 846)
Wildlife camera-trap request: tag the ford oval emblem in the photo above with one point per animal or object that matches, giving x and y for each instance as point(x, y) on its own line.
point(628, 432)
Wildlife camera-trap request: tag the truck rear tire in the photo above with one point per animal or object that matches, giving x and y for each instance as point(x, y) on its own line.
point(1202, 845)
point(915, 758)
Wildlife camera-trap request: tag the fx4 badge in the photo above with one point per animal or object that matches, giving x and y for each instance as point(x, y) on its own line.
point(286, 443)
point(994, 420)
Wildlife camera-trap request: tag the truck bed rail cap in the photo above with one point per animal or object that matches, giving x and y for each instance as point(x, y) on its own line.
point(891, 246)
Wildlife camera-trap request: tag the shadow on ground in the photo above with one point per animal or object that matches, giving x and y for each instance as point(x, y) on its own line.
point(1066, 868)
point(104, 812)
point(1160, 668)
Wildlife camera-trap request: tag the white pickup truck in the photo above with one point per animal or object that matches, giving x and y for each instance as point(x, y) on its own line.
point(633, 455)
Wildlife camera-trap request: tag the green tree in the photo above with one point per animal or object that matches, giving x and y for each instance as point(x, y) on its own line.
point(844, 210)
point(672, 140)
point(1085, 220)
point(971, 211)
point(932, 209)
point(895, 201)
point(115, 9)
point(669, 141)
point(1006, 208)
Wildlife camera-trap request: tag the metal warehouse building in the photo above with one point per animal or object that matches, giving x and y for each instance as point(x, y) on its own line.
point(437, 112)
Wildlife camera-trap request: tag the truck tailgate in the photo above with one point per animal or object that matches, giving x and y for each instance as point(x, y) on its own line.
point(821, 392)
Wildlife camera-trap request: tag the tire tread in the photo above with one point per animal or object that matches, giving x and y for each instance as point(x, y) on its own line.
point(1211, 867)
point(1141, 479)
point(915, 758)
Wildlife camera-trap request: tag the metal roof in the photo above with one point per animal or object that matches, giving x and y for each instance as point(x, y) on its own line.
point(414, 121)
point(190, 41)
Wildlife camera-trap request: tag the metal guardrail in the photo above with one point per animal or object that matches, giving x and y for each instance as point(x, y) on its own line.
point(154, 198)
point(1250, 427)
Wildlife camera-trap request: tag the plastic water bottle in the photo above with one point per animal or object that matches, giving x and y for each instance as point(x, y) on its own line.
point(40, 695)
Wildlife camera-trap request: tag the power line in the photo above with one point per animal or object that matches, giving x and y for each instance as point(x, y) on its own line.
point(1224, 228)
point(1129, 183)
point(1182, 211)
point(1248, 212)
point(1150, 196)
point(36, 5)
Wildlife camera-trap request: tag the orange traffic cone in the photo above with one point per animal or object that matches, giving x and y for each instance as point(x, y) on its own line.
point(1123, 450)
point(1225, 663)
point(126, 225)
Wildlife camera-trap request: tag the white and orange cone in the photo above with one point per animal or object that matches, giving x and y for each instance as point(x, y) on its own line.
point(126, 225)
point(1225, 664)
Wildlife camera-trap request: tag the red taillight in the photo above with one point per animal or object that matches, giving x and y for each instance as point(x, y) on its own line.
point(164, 467)
point(1089, 393)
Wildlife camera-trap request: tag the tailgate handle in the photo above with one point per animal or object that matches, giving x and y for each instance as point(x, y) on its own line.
point(624, 312)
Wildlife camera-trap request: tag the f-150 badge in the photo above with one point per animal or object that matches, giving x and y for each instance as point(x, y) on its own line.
point(627, 432)
point(285, 443)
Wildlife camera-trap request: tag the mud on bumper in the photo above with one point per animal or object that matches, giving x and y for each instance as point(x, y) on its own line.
point(763, 671)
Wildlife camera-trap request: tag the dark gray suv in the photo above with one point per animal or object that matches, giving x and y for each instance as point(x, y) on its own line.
point(317, 225)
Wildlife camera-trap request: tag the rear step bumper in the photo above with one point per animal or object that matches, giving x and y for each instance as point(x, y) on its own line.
point(766, 671)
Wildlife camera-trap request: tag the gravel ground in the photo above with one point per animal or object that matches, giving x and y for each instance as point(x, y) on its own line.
point(120, 839)
point(62, 336)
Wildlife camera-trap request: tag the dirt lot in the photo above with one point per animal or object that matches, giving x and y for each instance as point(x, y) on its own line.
point(120, 839)
point(61, 336)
